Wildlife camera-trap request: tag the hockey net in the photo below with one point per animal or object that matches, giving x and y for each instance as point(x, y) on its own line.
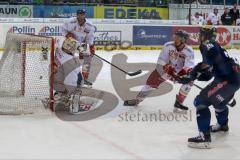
point(25, 68)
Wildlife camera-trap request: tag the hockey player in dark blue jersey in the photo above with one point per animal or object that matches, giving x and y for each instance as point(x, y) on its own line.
point(226, 72)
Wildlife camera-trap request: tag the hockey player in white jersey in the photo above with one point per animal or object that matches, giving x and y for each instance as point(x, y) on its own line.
point(83, 31)
point(176, 59)
point(67, 74)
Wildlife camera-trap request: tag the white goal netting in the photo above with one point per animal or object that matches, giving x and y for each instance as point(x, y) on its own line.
point(25, 68)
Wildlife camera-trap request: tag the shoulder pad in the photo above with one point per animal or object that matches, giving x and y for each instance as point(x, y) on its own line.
point(73, 20)
point(189, 48)
point(171, 43)
point(88, 23)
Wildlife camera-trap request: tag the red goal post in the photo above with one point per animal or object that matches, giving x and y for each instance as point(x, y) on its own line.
point(26, 68)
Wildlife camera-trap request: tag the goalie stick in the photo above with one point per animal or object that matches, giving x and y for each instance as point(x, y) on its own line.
point(128, 73)
point(231, 104)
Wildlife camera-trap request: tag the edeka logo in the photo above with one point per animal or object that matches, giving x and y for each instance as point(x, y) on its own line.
point(129, 13)
point(107, 37)
point(223, 36)
point(151, 35)
point(23, 29)
point(25, 12)
point(50, 31)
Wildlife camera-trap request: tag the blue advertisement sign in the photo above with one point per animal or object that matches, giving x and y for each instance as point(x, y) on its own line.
point(60, 11)
point(151, 35)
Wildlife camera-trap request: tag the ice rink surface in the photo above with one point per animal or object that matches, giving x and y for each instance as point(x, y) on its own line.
point(45, 136)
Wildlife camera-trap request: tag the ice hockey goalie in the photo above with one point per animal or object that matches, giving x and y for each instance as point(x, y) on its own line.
point(68, 78)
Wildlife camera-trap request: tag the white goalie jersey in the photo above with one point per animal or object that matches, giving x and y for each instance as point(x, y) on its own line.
point(83, 34)
point(68, 66)
point(178, 59)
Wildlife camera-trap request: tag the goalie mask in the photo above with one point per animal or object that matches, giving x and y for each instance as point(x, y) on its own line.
point(68, 45)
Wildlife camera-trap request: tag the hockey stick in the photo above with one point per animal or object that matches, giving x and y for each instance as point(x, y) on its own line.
point(130, 74)
point(231, 104)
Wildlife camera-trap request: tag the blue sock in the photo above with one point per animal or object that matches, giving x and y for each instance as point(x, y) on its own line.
point(222, 116)
point(203, 119)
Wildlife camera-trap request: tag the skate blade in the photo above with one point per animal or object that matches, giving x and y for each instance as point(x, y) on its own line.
point(87, 86)
point(203, 145)
point(179, 111)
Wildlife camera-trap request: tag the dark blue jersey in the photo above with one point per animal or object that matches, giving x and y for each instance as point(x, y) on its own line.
point(215, 56)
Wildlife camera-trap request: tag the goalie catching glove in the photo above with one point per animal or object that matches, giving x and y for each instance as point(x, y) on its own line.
point(201, 72)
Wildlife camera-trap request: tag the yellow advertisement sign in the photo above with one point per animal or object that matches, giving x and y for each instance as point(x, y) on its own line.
point(130, 12)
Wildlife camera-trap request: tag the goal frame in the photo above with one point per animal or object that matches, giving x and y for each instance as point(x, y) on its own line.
point(24, 50)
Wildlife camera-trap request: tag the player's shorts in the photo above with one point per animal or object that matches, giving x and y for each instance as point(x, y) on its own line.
point(220, 91)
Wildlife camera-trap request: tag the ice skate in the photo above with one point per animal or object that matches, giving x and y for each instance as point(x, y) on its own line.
point(219, 128)
point(131, 102)
point(203, 141)
point(179, 108)
point(87, 84)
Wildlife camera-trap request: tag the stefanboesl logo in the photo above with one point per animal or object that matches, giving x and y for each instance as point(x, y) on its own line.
point(50, 31)
point(223, 36)
point(25, 12)
point(143, 34)
point(23, 30)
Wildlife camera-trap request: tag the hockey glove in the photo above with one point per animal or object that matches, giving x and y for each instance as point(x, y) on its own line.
point(200, 72)
point(92, 49)
point(84, 50)
point(169, 70)
point(184, 71)
point(185, 79)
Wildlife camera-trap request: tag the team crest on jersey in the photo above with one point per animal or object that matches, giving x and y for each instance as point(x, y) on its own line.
point(173, 54)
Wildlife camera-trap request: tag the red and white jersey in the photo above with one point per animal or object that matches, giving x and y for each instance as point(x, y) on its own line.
point(83, 34)
point(215, 19)
point(178, 59)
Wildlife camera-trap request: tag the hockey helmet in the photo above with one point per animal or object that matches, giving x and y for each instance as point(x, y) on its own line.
point(81, 11)
point(209, 32)
point(182, 34)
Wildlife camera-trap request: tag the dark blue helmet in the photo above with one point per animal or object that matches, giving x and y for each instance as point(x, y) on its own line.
point(81, 11)
point(209, 32)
